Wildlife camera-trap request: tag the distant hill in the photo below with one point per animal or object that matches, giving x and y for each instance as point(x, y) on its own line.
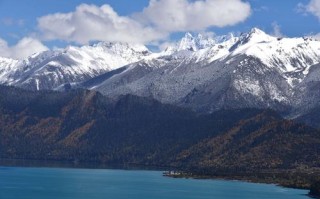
point(262, 142)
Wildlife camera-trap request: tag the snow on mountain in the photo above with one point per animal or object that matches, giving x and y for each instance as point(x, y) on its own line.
point(194, 43)
point(7, 65)
point(289, 55)
point(204, 73)
point(250, 70)
point(197, 49)
point(51, 69)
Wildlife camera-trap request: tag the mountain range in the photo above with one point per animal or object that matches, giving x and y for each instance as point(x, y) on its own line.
point(49, 70)
point(236, 104)
point(203, 73)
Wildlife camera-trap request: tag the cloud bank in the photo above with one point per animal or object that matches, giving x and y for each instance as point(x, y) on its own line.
point(184, 15)
point(24, 48)
point(90, 23)
point(155, 22)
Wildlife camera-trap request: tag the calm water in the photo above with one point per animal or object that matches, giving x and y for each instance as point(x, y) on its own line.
point(57, 183)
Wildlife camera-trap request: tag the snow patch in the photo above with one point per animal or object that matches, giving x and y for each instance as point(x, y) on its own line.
point(249, 86)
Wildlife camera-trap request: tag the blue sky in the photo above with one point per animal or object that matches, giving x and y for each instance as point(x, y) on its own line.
point(283, 12)
point(29, 10)
point(19, 19)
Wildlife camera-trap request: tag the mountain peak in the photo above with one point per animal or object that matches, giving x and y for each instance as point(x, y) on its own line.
point(258, 33)
point(188, 35)
point(256, 30)
point(255, 35)
point(194, 43)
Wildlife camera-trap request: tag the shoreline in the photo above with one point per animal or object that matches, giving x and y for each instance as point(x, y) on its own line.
point(253, 178)
point(235, 178)
point(77, 165)
point(248, 180)
point(279, 178)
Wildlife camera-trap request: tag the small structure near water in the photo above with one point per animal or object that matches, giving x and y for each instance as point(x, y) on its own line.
point(172, 173)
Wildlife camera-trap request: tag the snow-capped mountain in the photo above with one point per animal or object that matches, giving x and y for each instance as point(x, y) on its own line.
point(289, 55)
point(50, 69)
point(189, 42)
point(252, 70)
point(204, 73)
point(7, 65)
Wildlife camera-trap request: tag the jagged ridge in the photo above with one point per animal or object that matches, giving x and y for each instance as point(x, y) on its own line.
point(205, 73)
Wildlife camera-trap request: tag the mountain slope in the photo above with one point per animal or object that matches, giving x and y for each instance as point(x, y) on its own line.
point(86, 126)
point(262, 142)
point(253, 70)
point(51, 69)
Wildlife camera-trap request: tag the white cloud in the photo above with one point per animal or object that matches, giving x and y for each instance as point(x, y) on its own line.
point(276, 30)
point(89, 23)
point(312, 7)
point(158, 20)
point(24, 48)
point(184, 15)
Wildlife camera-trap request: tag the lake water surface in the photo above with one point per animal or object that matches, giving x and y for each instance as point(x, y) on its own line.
point(60, 183)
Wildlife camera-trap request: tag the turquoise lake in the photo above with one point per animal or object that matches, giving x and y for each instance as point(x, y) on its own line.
point(60, 183)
